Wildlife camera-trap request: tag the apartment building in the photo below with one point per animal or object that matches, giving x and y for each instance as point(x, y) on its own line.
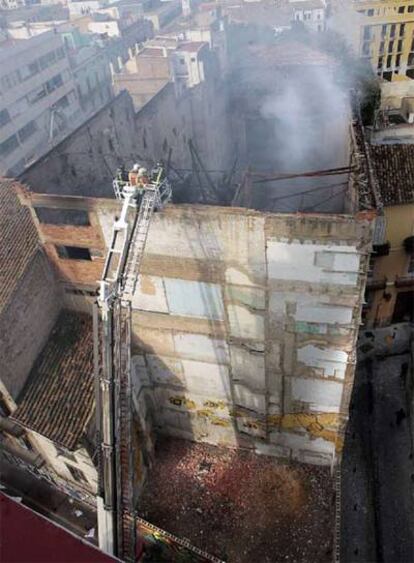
point(38, 100)
point(11, 4)
point(386, 37)
point(390, 287)
point(312, 13)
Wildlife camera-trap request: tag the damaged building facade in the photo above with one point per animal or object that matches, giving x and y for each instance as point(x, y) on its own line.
point(235, 341)
point(244, 322)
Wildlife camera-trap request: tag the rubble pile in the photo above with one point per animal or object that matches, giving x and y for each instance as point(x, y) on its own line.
point(239, 506)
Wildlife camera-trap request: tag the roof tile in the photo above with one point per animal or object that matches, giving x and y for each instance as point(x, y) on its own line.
point(394, 170)
point(58, 398)
point(18, 240)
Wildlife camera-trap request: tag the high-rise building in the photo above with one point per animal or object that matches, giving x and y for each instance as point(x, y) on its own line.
point(386, 36)
point(38, 100)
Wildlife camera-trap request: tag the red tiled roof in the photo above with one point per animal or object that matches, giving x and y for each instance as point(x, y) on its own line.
point(29, 537)
point(58, 398)
point(394, 171)
point(18, 240)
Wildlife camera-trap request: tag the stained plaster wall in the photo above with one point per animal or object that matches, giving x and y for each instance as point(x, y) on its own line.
point(58, 460)
point(244, 327)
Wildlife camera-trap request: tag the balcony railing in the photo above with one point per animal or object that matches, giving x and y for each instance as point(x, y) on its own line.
point(376, 284)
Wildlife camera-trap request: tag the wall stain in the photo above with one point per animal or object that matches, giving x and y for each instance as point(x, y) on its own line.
point(215, 404)
point(180, 401)
point(147, 285)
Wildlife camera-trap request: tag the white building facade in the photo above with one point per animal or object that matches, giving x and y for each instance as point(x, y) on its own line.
point(312, 13)
point(38, 100)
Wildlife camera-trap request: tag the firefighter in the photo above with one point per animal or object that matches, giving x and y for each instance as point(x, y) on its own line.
point(133, 174)
point(142, 177)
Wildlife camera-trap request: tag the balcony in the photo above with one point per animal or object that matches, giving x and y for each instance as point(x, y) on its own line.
point(405, 281)
point(381, 249)
point(376, 284)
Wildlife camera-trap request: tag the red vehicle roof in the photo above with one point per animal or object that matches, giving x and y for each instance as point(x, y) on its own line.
point(26, 536)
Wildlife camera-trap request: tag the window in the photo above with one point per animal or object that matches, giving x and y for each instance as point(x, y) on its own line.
point(380, 63)
point(77, 474)
point(381, 47)
point(54, 83)
point(402, 29)
point(389, 61)
point(6, 83)
point(411, 264)
point(27, 131)
point(73, 253)
point(365, 49)
point(384, 30)
point(411, 9)
point(9, 145)
point(392, 30)
point(4, 408)
point(4, 117)
point(404, 307)
point(24, 442)
point(36, 95)
point(62, 103)
point(51, 216)
point(367, 32)
point(61, 452)
point(400, 46)
point(33, 68)
point(397, 60)
point(401, 9)
point(47, 60)
point(370, 13)
point(390, 46)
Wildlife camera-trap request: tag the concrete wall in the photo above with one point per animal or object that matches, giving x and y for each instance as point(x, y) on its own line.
point(245, 326)
point(26, 321)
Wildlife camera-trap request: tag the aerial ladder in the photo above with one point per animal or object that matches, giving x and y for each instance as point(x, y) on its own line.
point(141, 194)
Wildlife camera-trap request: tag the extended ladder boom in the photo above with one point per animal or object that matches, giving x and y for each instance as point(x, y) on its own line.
point(116, 522)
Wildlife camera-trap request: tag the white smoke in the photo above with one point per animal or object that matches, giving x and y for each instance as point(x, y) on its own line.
point(311, 113)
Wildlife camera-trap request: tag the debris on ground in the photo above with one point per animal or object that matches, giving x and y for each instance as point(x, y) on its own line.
point(239, 506)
